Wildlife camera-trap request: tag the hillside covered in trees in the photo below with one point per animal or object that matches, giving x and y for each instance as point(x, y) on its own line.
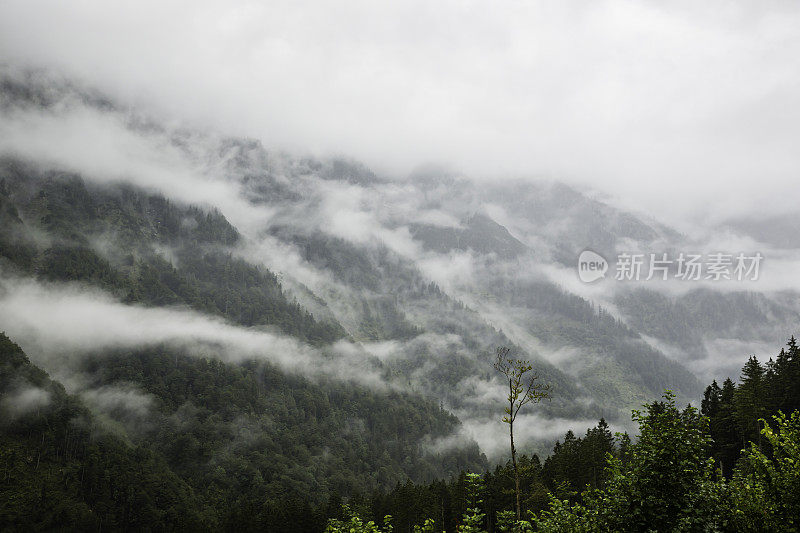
point(732, 465)
point(199, 468)
point(223, 448)
point(204, 334)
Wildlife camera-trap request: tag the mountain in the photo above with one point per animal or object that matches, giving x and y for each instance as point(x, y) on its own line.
point(258, 322)
point(134, 224)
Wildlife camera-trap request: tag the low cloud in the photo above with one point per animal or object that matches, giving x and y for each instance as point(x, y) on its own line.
point(55, 322)
point(663, 106)
point(726, 357)
point(102, 147)
point(532, 434)
point(119, 399)
point(23, 401)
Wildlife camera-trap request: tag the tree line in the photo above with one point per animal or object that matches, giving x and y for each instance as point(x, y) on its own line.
point(731, 465)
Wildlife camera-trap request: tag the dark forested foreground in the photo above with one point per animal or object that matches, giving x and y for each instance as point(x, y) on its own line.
point(717, 469)
point(226, 447)
point(734, 465)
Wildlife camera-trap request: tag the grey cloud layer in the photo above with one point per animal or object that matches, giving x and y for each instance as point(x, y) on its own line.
point(646, 100)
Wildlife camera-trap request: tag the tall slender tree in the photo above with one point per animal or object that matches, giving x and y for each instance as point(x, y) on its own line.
point(750, 400)
point(523, 388)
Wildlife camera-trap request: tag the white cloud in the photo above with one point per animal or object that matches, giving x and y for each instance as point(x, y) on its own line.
point(24, 400)
point(670, 107)
point(531, 431)
point(101, 147)
point(55, 322)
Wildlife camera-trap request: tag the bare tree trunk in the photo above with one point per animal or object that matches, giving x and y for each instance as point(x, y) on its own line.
point(516, 473)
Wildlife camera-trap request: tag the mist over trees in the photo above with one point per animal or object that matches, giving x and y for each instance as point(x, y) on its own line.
point(201, 333)
point(669, 477)
point(61, 465)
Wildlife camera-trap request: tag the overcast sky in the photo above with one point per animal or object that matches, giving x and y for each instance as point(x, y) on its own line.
point(679, 108)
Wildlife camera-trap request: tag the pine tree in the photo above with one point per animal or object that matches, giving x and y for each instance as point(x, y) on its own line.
point(710, 405)
point(727, 437)
point(750, 400)
point(790, 377)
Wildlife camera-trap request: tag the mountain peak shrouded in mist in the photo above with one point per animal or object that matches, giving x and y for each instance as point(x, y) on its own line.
point(426, 226)
point(662, 109)
point(361, 266)
point(231, 297)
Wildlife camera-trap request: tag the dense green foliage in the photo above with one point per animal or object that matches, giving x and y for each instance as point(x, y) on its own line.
point(578, 462)
point(669, 478)
point(203, 463)
point(145, 249)
point(238, 446)
point(573, 464)
point(765, 489)
point(250, 430)
point(667, 484)
point(60, 469)
point(762, 392)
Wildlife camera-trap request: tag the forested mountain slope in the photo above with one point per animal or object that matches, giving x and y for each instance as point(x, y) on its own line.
point(54, 225)
point(306, 327)
point(171, 441)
